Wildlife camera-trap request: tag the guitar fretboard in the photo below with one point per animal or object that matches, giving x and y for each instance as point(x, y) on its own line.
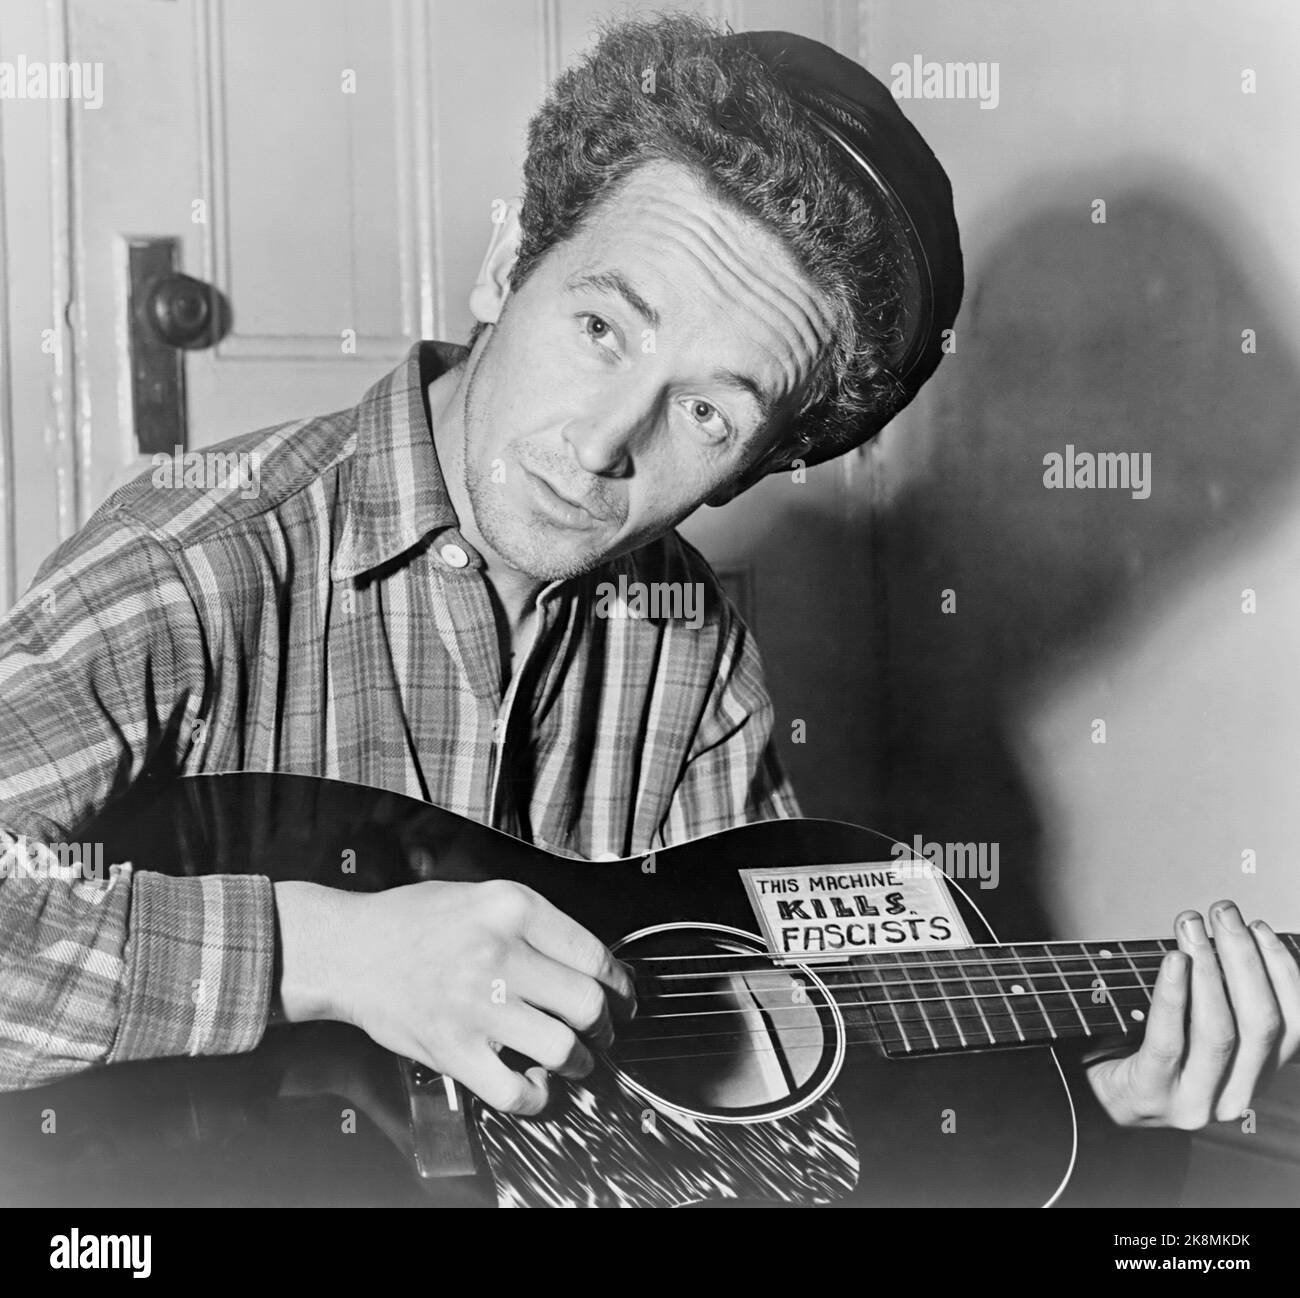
point(991, 997)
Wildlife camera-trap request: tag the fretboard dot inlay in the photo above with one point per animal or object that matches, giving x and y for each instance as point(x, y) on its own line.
point(1139, 1015)
point(1018, 989)
point(1105, 955)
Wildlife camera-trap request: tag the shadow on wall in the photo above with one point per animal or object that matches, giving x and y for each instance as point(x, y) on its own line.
point(1118, 337)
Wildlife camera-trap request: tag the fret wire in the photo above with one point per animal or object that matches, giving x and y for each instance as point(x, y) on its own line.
point(960, 965)
point(1136, 971)
point(889, 1000)
point(1093, 1009)
point(1070, 996)
point(872, 1023)
point(928, 961)
point(1006, 1000)
point(922, 1014)
point(1110, 996)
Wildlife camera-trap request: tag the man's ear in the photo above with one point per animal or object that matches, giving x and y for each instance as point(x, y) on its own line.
point(492, 286)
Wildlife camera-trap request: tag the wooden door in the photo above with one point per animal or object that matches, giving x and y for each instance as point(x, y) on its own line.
point(330, 167)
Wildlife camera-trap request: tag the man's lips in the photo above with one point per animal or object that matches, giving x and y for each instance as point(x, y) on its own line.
point(561, 507)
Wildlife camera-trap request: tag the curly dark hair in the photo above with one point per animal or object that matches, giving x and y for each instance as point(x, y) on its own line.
point(718, 110)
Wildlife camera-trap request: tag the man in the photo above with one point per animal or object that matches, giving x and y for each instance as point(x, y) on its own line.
point(733, 255)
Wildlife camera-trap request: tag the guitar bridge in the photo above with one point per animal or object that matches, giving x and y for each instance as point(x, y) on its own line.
point(440, 1130)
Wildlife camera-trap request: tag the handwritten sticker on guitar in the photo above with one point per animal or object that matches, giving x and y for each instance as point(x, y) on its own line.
point(830, 913)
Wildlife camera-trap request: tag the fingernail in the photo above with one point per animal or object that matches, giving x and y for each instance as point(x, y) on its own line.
point(1230, 917)
point(1194, 930)
point(1263, 931)
point(631, 988)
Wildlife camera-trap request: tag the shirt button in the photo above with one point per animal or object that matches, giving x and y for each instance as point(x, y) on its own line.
point(453, 556)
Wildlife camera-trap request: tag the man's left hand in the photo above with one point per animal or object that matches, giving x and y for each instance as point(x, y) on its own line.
point(1217, 1028)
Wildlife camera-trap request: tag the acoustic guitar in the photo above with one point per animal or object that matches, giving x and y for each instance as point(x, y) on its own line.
point(821, 1020)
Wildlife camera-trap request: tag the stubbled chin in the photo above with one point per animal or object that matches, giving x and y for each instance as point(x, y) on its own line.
point(542, 551)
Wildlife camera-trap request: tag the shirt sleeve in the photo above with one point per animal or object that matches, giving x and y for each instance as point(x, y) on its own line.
point(733, 775)
point(102, 665)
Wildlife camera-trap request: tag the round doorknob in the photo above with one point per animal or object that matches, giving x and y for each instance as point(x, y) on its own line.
point(185, 311)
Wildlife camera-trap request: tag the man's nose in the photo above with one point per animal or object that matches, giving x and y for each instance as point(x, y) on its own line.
point(604, 441)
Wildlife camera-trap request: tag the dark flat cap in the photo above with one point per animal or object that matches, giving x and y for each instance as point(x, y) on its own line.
point(884, 152)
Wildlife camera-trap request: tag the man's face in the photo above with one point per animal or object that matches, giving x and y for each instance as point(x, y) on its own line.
point(641, 367)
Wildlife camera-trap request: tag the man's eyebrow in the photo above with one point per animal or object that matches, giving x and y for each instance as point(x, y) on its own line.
point(734, 379)
point(610, 281)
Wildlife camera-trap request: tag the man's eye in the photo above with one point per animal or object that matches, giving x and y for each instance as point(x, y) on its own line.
point(707, 416)
point(597, 330)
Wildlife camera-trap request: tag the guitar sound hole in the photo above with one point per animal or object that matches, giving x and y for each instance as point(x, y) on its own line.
point(720, 1031)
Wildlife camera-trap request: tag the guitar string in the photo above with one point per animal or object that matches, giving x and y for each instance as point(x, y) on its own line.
point(921, 976)
point(741, 1034)
point(950, 1042)
point(1105, 1008)
point(952, 1045)
point(896, 1002)
point(1163, 945)
point(870, 962)
point(946, 1036)
point(1163, 942)
point(836, 978)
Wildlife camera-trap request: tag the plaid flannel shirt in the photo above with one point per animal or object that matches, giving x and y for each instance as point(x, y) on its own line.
point(334, 622)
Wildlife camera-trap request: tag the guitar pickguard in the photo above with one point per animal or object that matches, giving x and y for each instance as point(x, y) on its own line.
point(652, 1157)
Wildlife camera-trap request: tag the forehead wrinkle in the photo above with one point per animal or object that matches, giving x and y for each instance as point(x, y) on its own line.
point(787, 295)
point(728, 228)
point(756, 314)
point(726, 221)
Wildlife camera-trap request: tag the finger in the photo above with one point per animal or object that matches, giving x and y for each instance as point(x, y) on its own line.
point(1212, 1036)
point(1284, 974)
point(550, 931)
point(551, 1043)
point(1253, 1006)
point(500, 1087)
point(555, 988)
point(1160, 1058)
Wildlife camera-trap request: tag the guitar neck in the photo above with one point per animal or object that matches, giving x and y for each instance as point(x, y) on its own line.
point(994, 997)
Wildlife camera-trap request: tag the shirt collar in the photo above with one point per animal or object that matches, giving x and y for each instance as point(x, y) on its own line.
point(396, 495)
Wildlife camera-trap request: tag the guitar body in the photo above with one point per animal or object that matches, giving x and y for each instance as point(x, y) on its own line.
point(794, 1103)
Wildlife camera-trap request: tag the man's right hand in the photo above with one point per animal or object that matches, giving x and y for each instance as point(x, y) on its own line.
point(448, 973)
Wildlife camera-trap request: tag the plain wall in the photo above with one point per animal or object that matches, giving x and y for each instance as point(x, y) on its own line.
point(1075, 606)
